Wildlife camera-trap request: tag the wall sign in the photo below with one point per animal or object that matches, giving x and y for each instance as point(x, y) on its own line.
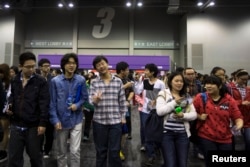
point(156, 44)
point(48, 44)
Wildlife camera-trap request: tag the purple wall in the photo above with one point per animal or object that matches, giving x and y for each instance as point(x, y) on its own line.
point(135, 62)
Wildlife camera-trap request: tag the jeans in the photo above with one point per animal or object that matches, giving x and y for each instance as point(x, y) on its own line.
point(107, 139)
point(208, 145)
point(21, 139)
point(150, 146)
point(175, 147)
point(75, 141)
point(246, 135)
point(143, 118)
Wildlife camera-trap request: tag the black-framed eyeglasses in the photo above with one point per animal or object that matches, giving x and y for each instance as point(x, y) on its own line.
point(30, 66)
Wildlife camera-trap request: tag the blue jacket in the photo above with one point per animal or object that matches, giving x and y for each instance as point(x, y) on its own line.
point(60, 89)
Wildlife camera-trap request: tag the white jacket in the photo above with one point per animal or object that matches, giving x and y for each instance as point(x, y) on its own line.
point(165, 106)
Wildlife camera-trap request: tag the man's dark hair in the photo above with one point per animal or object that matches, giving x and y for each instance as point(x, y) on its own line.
point(179, 69)
point(121, 66)
point(43, 61)
point(188, 68)
point(98, 59)
point(26, 56)
point(152, 68)
point(65, 60)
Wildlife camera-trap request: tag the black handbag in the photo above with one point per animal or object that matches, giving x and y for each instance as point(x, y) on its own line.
point(154, 127)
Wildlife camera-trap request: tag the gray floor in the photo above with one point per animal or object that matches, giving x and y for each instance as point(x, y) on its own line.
point(134, 157)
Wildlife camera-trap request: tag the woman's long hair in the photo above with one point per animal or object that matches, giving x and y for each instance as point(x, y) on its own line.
point(183, 91)
point(5, 70)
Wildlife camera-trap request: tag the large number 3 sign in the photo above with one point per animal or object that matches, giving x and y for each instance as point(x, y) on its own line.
point(103, 30)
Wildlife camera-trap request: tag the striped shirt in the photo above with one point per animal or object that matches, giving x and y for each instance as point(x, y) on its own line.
point(112, 106)
point(174, 125)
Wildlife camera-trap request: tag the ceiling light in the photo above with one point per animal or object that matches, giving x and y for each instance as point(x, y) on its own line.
point(71, 5)
point(211, 4)
point(60, 5)
point(128, 4)
point(7, 6)
point(139, 4)
point(199, 3)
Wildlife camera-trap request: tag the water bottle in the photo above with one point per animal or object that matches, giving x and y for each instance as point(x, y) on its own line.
point(69, 101)
point(178, 109)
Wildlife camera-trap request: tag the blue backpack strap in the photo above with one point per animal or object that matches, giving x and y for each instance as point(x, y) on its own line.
point(78, 93)
point(204, 99)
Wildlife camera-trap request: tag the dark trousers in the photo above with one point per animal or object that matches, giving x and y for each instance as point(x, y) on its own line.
point(88, 120)
point(47, 140)
point(21, 139)
point(208, 145)
point(107, 139)
point(246, 135)
point(143, 117)
point(128, 121)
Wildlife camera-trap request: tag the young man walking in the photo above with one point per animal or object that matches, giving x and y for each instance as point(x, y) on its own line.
point(108, 97)
point(149, 88)
point(68, 92)
point(28, 110)
point(47, 142)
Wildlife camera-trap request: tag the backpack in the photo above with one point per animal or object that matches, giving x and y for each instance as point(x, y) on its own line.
point(193, 124)
point(154, 126)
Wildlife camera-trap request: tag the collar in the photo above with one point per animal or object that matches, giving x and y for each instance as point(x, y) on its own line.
point(64, 78)
point(112, 77)
point(21, 76)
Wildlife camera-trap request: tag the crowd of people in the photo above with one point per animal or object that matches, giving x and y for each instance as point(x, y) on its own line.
point(40, 106)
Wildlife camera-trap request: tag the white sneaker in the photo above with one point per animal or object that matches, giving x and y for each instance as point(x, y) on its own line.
point(85, 138)
point(143, 148)
point(200, 156)
point(45, 156)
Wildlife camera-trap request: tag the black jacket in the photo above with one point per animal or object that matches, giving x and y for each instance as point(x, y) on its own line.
point(30, 105)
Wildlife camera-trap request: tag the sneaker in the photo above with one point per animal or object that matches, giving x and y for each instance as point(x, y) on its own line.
point(122, 156)
point(3, 156)
point(45, 156)
point(143, 148)
point(200, 156)
point(150, 161)
point(85, 138)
